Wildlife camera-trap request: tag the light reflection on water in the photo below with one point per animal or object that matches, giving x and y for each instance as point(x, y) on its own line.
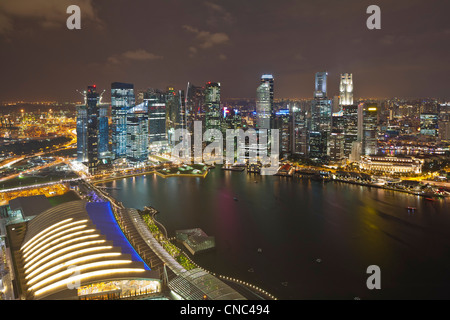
point(295, 222)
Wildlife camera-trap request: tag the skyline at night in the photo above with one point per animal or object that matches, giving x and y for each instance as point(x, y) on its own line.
point(170, 43)
point(224, 150)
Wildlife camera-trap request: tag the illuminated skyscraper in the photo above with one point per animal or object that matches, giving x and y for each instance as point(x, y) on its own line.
point(321, 85)
point(122, 100)
point(350, 123)
point(137, 134)
point(369, 129)
point(82, 121)
point(156, 105)
point(268, 78)
point(92, 129)
point(321, 111)
point(346, 90)
point(263, 106)
point(336, 138)
point(93, 132)
point(213, 114)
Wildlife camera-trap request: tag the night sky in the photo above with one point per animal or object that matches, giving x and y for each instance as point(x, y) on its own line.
point(160, 43)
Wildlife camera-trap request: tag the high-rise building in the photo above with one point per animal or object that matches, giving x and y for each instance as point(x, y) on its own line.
point(370, 129)
point(263, 106)
point(321, 111)
point(213, 114)
point(155, 101)
point(299, 132)
point(321, 85)
point(175, 109)
point(350, 119)
point(336, 139)
point(103, 128)
point(269, 79)
point(346, 89)
point(93, 132)
point(195, 97)
point(137, 134)
point(122, 100)
point(92, 129)
point(82, 120)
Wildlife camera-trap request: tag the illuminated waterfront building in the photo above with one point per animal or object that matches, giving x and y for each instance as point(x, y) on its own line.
point(346, 89)
point(390, 165)
point(122, 100)
point(76, 251)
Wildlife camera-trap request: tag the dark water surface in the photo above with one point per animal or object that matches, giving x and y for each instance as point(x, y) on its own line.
point(296, 222)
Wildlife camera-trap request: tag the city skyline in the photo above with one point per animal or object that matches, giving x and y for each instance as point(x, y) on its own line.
point(224, 42)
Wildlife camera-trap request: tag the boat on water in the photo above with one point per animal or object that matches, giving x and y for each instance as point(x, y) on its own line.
point(259, 250)
point(430, 199)
point(235, 199)
point(411, 208)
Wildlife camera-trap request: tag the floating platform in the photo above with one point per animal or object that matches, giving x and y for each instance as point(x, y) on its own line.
point(195, 240)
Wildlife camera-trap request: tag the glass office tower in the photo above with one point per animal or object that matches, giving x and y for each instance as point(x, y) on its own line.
point(321, 111)
point(122, 100)
point(213, 114)
point(93, 114)
point(137, 134)
point(155, 101)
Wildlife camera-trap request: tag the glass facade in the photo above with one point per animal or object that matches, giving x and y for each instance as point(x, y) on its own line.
point(122, 99)
point(137, 134)
point(156, 105)
point(213, 113)
point(369, 134)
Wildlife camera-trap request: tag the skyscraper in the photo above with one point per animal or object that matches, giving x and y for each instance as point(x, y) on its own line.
point(346, 90)
point(156, 105)
point(137, 134)
point(263, 106)
point(369, 129)
point(321, 85)
point(93, 132)
point(122, 100)
point(336, 138)
point(213, 114)
point(195, 97)
point(320, 119)
point(82, 120)
point(268, 78)
point(103, 128)
point(350, 119)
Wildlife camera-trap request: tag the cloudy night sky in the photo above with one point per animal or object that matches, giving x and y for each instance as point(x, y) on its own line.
point(160, 43)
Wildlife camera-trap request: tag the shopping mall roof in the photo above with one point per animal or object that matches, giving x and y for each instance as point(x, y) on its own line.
point(30, 206)
point(71, 245)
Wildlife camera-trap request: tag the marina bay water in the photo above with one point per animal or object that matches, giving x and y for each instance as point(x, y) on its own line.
point(305, 239)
